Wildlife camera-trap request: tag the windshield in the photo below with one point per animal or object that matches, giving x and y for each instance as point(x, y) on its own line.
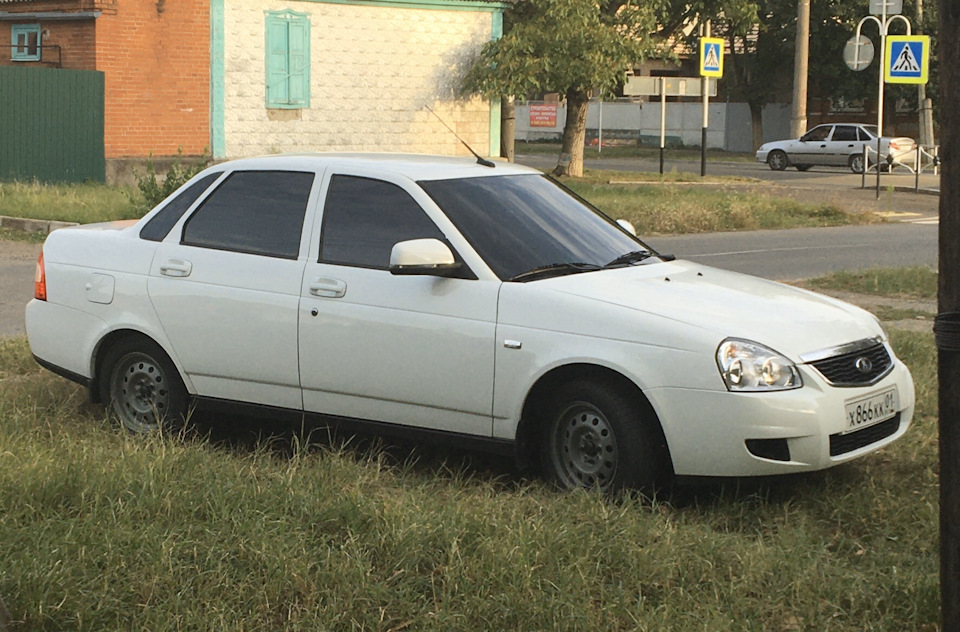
point(522, 223)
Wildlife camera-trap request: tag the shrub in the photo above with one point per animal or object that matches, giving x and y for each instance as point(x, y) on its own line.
point(153, 192)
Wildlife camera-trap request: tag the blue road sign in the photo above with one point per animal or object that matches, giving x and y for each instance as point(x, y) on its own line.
point(907, 59)
point(711, 57)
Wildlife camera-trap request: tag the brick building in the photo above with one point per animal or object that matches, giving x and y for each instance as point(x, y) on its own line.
point(155, 56)
point(245, 77)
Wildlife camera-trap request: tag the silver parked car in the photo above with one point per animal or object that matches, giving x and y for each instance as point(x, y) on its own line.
point(836, 145)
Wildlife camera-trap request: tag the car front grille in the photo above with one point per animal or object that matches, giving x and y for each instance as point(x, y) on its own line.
point(857, 368)
point(843, 443)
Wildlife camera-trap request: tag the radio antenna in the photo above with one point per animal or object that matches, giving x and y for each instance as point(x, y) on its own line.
point(480, 161)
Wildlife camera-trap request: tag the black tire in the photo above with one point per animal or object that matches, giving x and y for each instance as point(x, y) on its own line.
point(803, 167)
point(777, 160)
point(141, 387)
point(596, 435)
point(856, 163)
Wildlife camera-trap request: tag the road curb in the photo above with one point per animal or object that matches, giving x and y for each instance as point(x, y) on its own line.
point(32, 225)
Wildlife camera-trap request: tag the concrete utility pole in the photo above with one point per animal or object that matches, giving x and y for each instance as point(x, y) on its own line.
point(924, 105)
point(947, 325)
point(798, 122)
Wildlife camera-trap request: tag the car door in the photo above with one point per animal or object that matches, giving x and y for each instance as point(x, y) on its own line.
point(413, 350)
point(812, 147)
point(226, 286)
point(842, 144)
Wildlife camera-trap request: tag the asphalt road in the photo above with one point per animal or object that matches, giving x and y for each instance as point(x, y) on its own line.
point(787, 255)
point(18, 262)
point(815, 177)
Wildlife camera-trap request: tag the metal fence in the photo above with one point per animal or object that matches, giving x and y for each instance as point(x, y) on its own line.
point(51, 125)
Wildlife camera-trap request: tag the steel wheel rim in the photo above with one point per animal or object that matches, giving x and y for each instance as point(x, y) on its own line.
point(140, 393)
point(584, 448)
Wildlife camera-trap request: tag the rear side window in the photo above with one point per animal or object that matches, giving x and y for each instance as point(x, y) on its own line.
point(161, 223)
point(255, 212)
point(364, 218)
point(844, 133)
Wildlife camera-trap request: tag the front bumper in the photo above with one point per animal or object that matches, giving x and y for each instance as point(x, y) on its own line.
point(707, 431)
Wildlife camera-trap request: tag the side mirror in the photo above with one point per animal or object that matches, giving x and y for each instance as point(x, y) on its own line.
point(427, 257)
point(627, 226)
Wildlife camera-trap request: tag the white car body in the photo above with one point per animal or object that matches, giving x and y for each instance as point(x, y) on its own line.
point(459, 355)
point(837, 145)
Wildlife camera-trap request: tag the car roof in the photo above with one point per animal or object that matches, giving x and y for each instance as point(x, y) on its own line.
point(413, 166)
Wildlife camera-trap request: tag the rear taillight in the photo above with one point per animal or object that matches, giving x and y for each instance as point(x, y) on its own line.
point(40, 280)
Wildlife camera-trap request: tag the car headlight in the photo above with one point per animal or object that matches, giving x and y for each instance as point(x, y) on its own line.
point(751, 367)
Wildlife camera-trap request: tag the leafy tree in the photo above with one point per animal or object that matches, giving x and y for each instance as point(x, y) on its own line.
point(565, 46)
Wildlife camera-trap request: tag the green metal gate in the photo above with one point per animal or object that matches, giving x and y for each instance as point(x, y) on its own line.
point(51, 125)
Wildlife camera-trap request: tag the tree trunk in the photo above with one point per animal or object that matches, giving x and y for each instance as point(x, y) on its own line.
point(756, 123)
point(574, 134)
point(507, 128)
point(947, 325)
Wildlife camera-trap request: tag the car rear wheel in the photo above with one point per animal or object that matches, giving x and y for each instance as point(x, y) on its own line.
point(597, 436)
point(142, 388)
point(777, 160)
point(803, 167)
point(856, 163)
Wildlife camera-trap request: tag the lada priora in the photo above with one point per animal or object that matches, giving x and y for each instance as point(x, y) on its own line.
point(435, 296)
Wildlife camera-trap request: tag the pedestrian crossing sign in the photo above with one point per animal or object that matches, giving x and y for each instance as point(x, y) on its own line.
point(711, 57)
point(907, 59)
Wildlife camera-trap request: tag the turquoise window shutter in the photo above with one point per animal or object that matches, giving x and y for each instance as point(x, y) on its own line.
point(299, 38)
point(278, 63)
point(287, 57)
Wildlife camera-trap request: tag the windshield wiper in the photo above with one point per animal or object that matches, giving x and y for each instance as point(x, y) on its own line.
point(555, 269)
point(633, 256)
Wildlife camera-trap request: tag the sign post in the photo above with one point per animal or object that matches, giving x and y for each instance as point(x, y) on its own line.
point(884, 8)
point(664, 87)
point(711, 65)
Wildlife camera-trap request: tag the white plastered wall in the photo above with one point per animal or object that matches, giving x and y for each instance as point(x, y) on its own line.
point(373, 68)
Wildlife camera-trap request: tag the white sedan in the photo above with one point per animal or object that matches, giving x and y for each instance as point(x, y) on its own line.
point(428, 296)
point(839, 145)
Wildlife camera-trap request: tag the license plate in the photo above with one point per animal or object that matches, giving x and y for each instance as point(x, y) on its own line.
point(873, 409)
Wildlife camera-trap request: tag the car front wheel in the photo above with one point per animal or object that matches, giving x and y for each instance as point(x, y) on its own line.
point(597, 436)
point(142, 388)
point(777, 160)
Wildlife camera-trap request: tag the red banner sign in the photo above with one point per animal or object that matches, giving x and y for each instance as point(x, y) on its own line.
point(543, 115)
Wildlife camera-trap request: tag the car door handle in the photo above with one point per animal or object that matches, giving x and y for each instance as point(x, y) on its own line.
point(328, 288)
point(176, 268)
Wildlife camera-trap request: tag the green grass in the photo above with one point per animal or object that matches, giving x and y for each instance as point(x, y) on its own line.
point(918, 282)
point(104, 531)
point(667, 209)
point(83, 203)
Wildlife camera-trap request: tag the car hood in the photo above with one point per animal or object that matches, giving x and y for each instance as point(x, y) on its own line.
point(728, 304)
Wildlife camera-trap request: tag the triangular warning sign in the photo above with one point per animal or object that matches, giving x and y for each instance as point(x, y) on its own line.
point(906, 62)
point(712, 61)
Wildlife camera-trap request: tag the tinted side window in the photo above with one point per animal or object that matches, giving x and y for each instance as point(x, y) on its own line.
point(818, 133)
point(258, 212)
point(844, 133)
point(364, 218)
point(864, 135)
point(161, 223)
